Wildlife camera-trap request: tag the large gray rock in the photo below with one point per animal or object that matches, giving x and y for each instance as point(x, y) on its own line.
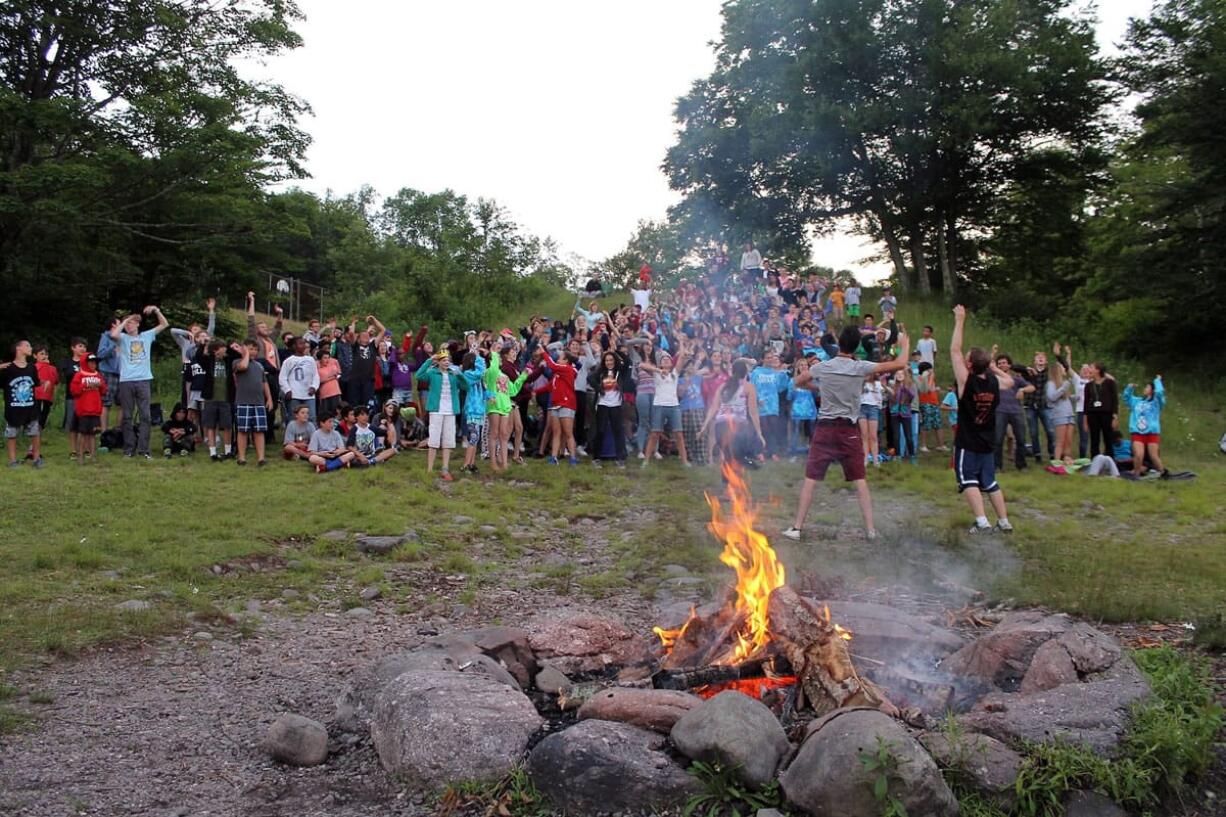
point(737, 730)
point(988, 765)
point(888, 634)
point(1094, 713)
point(296, 740)
point(356, 703)
point(828, 779)
point(655, 709)
point(434, 728)
point(600, 766)
point(1050, 667)
point(1090, 650)
point(1002, 656)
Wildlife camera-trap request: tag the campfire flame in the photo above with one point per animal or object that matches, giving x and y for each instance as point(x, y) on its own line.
point(758, 571)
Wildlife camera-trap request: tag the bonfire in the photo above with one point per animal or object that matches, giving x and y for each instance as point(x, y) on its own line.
point(765, 636)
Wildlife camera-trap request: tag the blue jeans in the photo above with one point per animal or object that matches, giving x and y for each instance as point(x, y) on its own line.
point(1033, 416)
point(643, 402)
point(1083, 436)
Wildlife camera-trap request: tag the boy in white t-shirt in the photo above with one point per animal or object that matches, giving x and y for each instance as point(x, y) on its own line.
point(927, 347)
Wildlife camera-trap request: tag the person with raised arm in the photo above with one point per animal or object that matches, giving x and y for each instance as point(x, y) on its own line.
point(837, 436)
point(979, 384)
point(135, 349)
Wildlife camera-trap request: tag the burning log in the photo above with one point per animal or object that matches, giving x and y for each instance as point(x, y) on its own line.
point(703, 640)
point(817, 651)
point(691, 678)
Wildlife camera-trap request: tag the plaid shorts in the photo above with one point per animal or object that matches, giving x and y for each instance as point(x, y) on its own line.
point(112, 388)
point(252, 418)
point(691, 423)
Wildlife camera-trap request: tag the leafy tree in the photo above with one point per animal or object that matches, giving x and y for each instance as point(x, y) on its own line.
point(906, 116)
point(133, 153)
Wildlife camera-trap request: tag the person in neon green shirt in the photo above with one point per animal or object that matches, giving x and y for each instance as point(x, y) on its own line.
point(501, 389)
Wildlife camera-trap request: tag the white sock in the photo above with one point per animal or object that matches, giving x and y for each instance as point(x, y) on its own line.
point(227, 450)
point(981, 521)
point(212, 451)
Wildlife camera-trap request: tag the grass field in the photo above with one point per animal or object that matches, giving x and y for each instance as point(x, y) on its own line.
point(75, 541)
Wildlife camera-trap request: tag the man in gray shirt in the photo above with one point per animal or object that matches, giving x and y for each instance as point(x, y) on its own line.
point(837, 436)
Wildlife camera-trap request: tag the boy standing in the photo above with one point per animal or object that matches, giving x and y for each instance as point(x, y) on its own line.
point(253, 400)
point(108, 367)
point(299, 379)
point(327, 449)
point(87, 388)
point(136, 378)
point(68, 370)
point(927, 347)
point(217, 393)
point(19, 379)
point(48, 379)
point(853, 303)
point(979, 388)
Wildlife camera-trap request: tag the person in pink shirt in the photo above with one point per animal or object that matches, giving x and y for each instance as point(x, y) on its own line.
point(328, 397)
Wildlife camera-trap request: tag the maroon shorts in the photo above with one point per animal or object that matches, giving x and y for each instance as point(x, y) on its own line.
point(1147, 439)
point(835, 443)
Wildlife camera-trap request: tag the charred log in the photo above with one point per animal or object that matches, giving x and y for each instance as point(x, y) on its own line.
point(694, 677)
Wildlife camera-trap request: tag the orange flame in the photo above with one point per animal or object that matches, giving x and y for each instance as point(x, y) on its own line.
point(747, 551)
point(840, 631)
point(669, 637)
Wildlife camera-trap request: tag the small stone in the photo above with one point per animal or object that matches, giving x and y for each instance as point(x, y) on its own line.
point(379, 545)
point(294, 564)
point(290, 593)
point(487, 529)
point(203, 636)
point(253, 606)
point(134, 606)
point(110, 575)
point(358, 612)
point(463, 520)
point(217, 569)
point(335, 535)
point(552, 680)
point(674, 571)
point(371, 593)
point(297, 741)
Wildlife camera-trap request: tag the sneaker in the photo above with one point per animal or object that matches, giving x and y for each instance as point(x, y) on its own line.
point(148, 457)
point(166, 453)
point(14, 463)
point(552, 460)
point(923, 449)
point(127, 455)
point(445, 476)
point(596, 464)
point(183, 453)
point(1004, 526)
point(581, 451)
point(942, 448)
point(38, 463)
point(687, 464)
point(261, 463)
point(877, 462)
point(977, 529)
point(643, 464)
point(573, 460)
point(642, 455)
point(792, 533)
point(214, 457)
point(872, 535)
point(240, 462)
point(658, 455)
point(620, 463)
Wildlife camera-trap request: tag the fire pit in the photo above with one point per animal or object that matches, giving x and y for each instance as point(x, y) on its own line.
point(606, 719)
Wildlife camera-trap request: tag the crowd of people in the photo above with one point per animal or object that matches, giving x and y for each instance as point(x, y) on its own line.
point(748, 363)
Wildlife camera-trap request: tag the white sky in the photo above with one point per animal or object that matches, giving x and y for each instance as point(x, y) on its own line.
point(559, 110)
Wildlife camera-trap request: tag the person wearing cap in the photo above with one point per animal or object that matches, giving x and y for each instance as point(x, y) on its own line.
point(87, 388)
point(442, 382)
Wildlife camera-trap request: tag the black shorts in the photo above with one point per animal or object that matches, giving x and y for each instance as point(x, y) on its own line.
point(975, 469)
point(85, 425)
point(217, 414)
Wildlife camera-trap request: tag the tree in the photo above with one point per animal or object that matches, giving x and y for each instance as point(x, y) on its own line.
point(906, 116)
point(133, 152)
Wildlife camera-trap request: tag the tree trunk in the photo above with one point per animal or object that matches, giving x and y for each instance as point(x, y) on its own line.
point(947, 274)
point(921, 264)
point(888, 233)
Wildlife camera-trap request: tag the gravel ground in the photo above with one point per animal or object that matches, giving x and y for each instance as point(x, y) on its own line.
point(173, 727)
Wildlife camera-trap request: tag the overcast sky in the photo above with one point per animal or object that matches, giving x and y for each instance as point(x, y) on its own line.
point(559, 110)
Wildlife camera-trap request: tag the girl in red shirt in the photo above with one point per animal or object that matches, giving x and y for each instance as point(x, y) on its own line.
point(562, 404)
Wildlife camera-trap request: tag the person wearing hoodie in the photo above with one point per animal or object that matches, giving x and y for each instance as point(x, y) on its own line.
point(179, 433)
point(501, 389)
point(87, 389)
point(472, 382)
point(1145, 424)
point(213, 379)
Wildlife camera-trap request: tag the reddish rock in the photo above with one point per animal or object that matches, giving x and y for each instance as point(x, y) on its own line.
point(1002, 656)
point(655, 709)
point(1050, 667)
point(584, 642)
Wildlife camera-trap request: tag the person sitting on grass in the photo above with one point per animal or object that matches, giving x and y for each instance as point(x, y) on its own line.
point(254, 401)
point(327, 447)
point(87, 388)
point(363, 442)
point(298, 433)
point(179, 433)
point(388, 425)
point(1145, 425)
point(345, 420)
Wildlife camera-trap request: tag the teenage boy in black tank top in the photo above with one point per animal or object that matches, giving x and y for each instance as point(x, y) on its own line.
point(979, 385)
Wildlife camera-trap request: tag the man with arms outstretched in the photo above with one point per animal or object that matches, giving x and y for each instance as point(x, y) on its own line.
point(979, 385)
point(837, 435)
